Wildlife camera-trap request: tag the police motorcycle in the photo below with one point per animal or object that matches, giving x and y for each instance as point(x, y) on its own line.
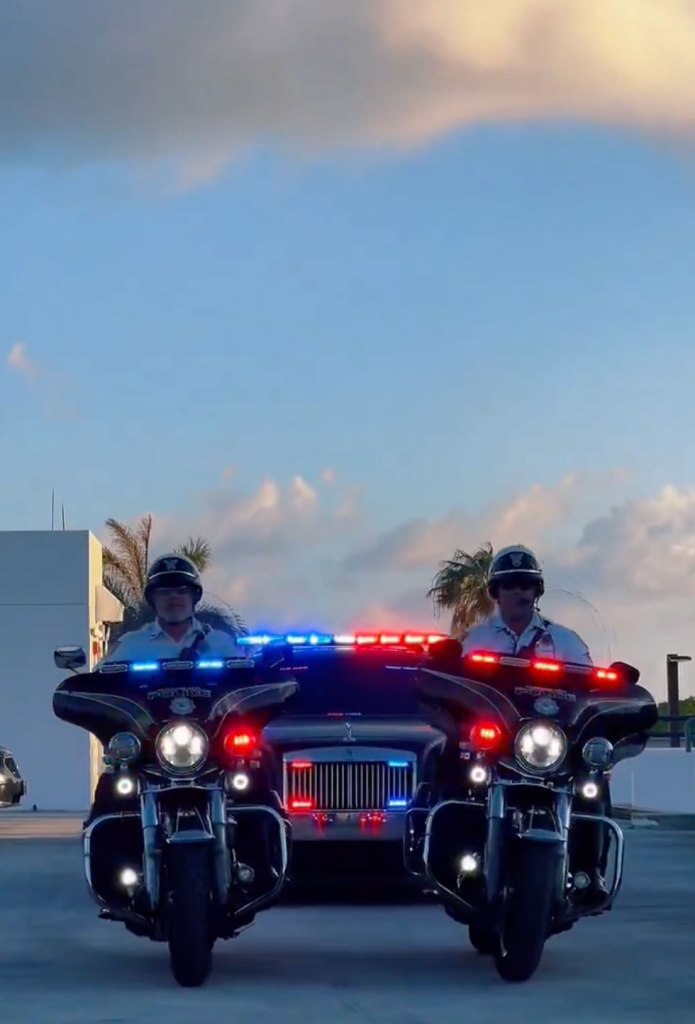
point(497, 830)
point(187, 839)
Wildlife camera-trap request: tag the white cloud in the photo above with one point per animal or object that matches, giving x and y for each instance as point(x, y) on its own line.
point(19, 361)
point(199, 83)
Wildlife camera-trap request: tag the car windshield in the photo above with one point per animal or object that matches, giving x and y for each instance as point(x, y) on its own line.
point(355, 684)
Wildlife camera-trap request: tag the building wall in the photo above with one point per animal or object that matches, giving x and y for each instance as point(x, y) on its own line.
point(48, 590)
point(660, 779)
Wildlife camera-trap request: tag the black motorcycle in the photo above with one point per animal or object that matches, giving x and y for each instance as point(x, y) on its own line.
point(513, 828)
point(187, 838)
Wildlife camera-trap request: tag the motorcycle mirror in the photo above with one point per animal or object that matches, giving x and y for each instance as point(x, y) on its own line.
point(446, 651)
point(70, 658)
point(276, 654)
point(630, 673)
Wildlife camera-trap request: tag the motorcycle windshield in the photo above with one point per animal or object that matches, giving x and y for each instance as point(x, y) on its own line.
point(139, 697)
point(583, 703)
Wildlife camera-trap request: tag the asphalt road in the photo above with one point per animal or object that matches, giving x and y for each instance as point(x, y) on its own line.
point(376, 963)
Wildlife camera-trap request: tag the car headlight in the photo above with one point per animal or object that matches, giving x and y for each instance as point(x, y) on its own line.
point(541, 745)
point(182, 746)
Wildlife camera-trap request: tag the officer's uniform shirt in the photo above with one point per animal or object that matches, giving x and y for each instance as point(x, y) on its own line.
point(153, 642)
point(555, 641)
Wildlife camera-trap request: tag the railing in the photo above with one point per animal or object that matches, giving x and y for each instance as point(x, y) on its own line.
point(677, 735)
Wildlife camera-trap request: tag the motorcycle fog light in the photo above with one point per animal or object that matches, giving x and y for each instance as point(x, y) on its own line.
point(240, 781)
point(598, 752)
point(541, 745)
point(468, 864)
point(589, 790)
point(124, 746)
point(125, 785)
point(479, 774)
point(182, 747)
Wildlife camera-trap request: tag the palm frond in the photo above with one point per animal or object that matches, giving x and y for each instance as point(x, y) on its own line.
point(199, 550)
point(460, 586)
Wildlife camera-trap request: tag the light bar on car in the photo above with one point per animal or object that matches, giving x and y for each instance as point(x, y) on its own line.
point(543, 666)
point(386, 638)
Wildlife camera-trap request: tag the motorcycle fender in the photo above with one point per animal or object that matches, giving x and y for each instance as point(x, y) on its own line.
point(551, 857)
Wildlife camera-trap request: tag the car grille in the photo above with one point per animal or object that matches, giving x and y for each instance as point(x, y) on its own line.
point(349, 786)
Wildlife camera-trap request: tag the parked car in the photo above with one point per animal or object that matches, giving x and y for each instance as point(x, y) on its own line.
point(12, 785)
point(352, 745)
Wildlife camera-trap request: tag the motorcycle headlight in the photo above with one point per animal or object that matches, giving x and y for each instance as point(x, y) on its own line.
point(182, 746)
point(541, 745)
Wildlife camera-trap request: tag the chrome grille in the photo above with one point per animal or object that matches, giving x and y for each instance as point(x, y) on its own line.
point(349, 785)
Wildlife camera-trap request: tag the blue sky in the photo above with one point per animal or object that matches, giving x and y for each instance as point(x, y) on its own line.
point(445, 325)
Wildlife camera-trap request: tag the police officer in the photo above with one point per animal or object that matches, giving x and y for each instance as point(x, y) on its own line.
point(515, 583)
point(173, 590)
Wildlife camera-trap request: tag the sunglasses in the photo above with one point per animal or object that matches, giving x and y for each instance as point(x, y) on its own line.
point(518, 581)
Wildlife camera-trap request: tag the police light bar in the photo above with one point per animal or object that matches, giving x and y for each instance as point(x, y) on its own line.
point(544, 666)
point(214, 664)
point(359, 639)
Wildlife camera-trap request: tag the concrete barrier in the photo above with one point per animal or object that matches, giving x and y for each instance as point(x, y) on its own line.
point(660, 780)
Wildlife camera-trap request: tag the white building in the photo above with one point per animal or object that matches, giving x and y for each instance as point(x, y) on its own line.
point(51, 593)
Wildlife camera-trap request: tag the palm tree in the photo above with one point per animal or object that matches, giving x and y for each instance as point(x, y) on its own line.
point(126, 563)
point(460, 586)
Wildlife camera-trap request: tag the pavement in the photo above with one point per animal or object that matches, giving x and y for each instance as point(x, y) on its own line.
point(381, 961)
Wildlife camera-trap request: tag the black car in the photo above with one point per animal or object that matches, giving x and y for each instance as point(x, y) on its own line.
point(351, 746)
point(12, 785)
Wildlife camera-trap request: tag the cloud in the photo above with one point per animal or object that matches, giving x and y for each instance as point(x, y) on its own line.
point(197, 84)
point(19, 361)
point(55, 390)
point(620, 570)
point(528, 518)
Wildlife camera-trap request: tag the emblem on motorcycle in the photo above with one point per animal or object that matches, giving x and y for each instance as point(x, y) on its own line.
point(182, 705)
point(546, 706)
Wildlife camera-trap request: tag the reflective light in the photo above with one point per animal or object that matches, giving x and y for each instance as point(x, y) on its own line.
point(210, 664)
point(144, 666)
point(397, 802)
point(398, 764)
point(125, 785)
point(128, 878)
point(301, 764)
point(241, 781)
point(301, 805)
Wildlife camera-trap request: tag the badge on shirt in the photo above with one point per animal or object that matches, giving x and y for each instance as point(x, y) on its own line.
point(182, 706)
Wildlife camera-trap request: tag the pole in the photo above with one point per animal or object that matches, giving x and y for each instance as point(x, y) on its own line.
point(673, 695)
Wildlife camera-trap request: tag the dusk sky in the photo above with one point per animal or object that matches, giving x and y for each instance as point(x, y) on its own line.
point(345, 287)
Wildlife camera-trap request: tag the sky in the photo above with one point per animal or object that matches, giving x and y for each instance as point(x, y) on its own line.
point(343, 288)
